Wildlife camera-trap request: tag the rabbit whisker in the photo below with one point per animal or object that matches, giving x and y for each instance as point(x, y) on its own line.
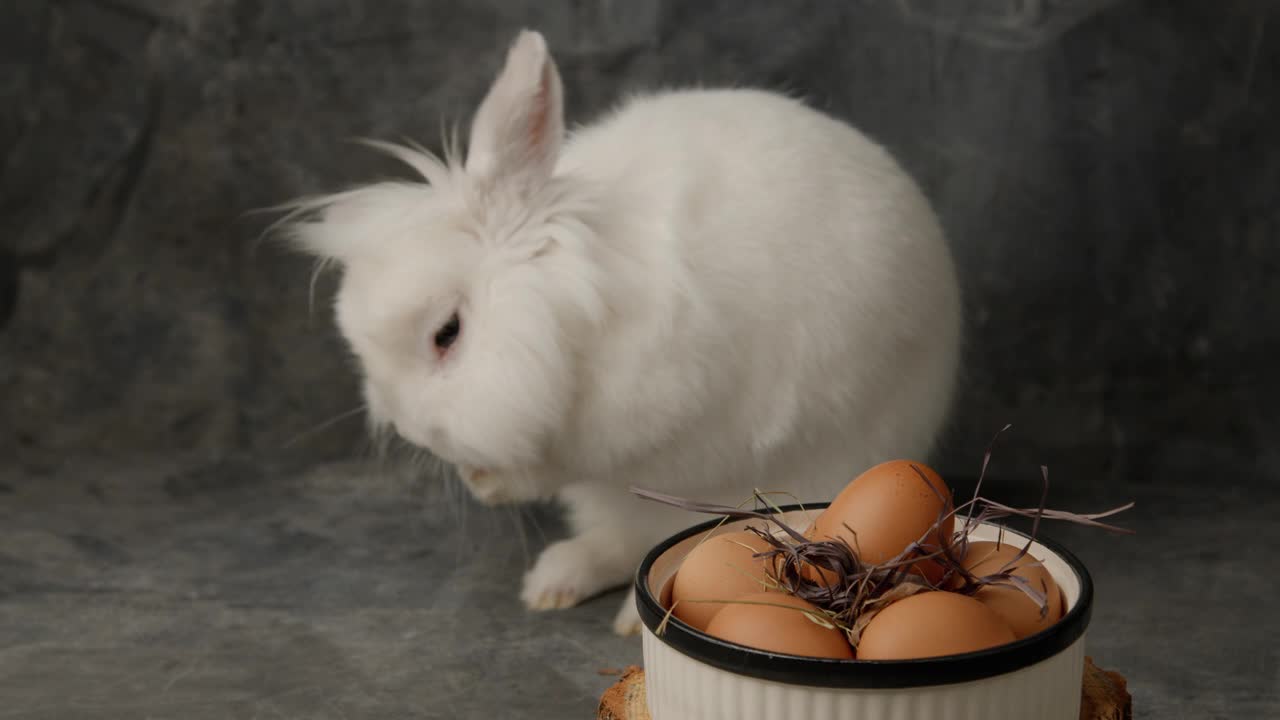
point(325, 425)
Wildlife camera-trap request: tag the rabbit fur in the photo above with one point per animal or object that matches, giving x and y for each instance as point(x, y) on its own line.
point(703, 292)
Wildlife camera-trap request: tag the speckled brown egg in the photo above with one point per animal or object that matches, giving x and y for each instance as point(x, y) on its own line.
point(930, 624)
point(887, 508)
point(1018, 609)
point(779, 629)
point(719, 569)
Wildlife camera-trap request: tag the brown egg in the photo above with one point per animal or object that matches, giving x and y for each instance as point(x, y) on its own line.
point(930, 624)
point(888, 507)
point(721, 568)
point(1018, 610)
point(778, 629)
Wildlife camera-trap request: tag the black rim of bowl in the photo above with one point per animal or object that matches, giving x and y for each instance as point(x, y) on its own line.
point(825, 672)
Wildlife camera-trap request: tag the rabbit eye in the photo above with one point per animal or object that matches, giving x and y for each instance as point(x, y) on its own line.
point(448, 333)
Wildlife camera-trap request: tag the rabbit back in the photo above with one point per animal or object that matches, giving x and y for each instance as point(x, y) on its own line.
point(781, 292)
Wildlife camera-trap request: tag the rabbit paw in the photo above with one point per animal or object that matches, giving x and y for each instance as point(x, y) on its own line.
point(627, 622)
point(566, 573)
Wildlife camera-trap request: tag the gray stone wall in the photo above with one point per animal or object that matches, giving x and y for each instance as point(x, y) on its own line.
point(1107, 171)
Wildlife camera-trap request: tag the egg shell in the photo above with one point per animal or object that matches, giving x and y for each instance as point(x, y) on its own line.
point(1018, 610)
point(888, 507)
point(719, 568)
point(778, 629)
point(930, 624)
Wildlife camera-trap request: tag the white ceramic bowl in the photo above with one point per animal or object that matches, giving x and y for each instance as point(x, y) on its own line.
point(690, 675)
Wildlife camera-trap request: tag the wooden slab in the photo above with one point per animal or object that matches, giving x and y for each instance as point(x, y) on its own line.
point(1104, 696)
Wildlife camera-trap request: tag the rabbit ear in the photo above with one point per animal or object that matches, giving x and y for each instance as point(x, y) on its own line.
point(517, 131)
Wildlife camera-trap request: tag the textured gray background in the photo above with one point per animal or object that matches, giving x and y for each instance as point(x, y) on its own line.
point(176, 541)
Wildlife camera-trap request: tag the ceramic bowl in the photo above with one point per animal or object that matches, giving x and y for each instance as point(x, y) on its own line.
point(690, 675)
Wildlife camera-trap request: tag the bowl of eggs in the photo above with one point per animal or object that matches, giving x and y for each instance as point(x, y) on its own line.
point(886, 602)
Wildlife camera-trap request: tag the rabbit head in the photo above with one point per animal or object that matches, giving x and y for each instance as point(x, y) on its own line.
point(467, 298)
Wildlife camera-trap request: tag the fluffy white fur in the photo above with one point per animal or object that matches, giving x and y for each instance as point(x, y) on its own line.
point(703, 292)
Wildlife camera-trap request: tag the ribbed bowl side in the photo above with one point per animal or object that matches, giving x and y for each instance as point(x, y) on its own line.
point(681, 688)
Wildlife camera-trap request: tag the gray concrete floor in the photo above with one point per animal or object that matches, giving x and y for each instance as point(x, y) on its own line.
point(189, 589)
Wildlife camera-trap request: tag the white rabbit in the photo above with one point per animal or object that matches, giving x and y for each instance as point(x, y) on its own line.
point(704, 292)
